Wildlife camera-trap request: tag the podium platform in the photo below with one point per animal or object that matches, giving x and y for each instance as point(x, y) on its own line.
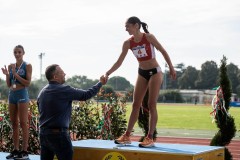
point(31, 157)
point(92, 149)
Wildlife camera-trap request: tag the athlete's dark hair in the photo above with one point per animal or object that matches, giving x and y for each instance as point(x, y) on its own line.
point(134, 20)
point(50, 70)
point(19, 46)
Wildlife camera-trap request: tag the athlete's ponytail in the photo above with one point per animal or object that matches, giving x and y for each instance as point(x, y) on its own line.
point(133, 20)
point(145, 26)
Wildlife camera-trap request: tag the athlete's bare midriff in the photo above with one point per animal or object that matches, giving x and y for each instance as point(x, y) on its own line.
point(18, 87)
point(148, 64)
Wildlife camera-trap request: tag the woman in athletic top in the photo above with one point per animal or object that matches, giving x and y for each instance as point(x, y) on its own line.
point(150, 76)
point(18, 78)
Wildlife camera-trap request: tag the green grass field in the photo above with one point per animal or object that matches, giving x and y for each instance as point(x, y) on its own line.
point(188, 116)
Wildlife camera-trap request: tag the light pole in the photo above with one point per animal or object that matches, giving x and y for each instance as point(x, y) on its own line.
point(41, 57)
point(165, 77)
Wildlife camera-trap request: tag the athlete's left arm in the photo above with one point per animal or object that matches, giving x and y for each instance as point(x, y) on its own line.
point(26, 82)
point(153, 40)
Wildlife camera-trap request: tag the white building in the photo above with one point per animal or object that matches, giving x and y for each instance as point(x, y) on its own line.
point(200, 96)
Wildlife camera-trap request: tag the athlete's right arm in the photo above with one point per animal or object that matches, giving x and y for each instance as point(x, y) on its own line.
point(118, 63)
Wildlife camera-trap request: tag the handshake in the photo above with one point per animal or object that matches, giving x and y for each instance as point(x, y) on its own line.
point(104, 79)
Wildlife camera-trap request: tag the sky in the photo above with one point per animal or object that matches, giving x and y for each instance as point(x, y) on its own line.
point(85, 37)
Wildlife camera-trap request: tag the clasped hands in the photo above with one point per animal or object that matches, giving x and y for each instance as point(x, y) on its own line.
point(103, 79)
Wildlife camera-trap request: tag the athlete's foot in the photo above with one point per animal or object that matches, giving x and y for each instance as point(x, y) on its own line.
point(124, 139)
point(13, 154)
point(147, 143)
point(23, 155)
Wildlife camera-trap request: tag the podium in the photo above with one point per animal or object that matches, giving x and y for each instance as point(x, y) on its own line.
point(31, 157)
point(92, 149)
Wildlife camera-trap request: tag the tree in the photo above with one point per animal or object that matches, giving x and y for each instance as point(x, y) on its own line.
point(119, 83)
point(169, 82)
point(82, 82)
point(3, 89)
point(238, 90)
point(188, 78)
point(207, 77)
point(170, 96)
point(232, 71)
point(224, 121)
point(35, 87)
point(181, 67)
point(33, 90)
point(108, 89)
point(238, 87)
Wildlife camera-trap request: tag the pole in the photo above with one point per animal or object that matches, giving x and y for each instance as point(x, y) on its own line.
point(165, 77)
point(41, 57)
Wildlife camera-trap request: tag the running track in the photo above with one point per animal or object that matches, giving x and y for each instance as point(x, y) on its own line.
point(234, 146)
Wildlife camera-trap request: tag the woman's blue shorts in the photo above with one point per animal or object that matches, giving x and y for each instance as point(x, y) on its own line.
point(18, 96)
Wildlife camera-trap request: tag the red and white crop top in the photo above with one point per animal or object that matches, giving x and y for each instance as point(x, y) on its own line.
point(142, 50)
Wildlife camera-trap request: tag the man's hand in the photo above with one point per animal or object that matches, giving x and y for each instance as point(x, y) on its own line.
point(103, 80)
point(106, 76)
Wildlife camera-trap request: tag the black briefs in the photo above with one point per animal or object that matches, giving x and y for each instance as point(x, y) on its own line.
point(148, 73)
